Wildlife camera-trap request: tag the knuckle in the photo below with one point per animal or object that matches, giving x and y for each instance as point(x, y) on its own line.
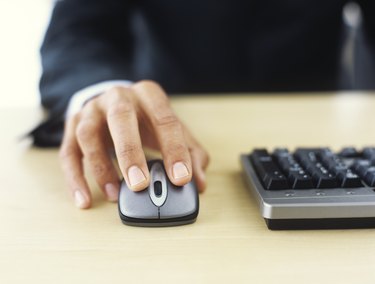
point(129, 150)
point(148, 84)
point(116, 91)
point(74, 119)
point(100, 169)
point(125, 107)
point(85, 131)
point(166, 120)
point(118, 94)
point(150, 89)
point(93, 156)
point(74, 180)
point(176, 149)
point(98, 163)
point(67, 152)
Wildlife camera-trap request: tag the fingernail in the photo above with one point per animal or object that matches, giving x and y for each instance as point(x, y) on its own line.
point(79, 199)
point(180, 170)
point(112, 192)
point(135, 175)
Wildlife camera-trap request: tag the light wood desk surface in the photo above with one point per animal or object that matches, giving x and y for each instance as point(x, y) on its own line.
point(45, 239)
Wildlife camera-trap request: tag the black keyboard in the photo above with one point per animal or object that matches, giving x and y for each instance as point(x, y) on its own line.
point(313, 188)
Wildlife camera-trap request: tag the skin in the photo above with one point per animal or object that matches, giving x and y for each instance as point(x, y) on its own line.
point(126, 120)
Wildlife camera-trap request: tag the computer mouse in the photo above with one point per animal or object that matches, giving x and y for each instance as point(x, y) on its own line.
point(161, 204)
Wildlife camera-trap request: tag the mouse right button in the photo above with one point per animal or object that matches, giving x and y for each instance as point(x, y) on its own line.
point(180, 202)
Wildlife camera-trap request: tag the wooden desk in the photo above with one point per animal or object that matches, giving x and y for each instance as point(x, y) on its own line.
point(45, 239)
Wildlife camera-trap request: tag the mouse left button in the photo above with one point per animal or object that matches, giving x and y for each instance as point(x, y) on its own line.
point(137, 205)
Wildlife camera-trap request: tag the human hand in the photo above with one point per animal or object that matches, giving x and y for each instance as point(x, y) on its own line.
point(126, 120)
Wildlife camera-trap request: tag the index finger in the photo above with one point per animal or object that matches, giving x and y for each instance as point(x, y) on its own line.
point(120, 111)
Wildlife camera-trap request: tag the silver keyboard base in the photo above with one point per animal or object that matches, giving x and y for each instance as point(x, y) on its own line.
point(334, 208)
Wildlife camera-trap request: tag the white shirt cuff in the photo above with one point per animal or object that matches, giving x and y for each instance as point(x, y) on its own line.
point(81, 97)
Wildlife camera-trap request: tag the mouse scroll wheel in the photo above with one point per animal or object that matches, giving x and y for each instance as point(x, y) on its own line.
point(157, 188)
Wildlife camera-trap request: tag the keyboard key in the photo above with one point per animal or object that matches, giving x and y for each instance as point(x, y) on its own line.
point(369, 154)
point(349, 179)
point(300, 180)
point(361, 166)
point(370, 176)
point(320, 174)
point(366, 172)
point(344, 175)
point(297, 177)
point(349, 152)
point(268, 171)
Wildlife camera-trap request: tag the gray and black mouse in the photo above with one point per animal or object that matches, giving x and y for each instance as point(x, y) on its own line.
point(161, 204)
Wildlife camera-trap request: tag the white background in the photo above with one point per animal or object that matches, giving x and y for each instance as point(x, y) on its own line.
point(22, 25)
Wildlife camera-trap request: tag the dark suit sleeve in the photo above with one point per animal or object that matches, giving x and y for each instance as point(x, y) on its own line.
point(368, 11)
point(364, 51)
point(87, 41)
